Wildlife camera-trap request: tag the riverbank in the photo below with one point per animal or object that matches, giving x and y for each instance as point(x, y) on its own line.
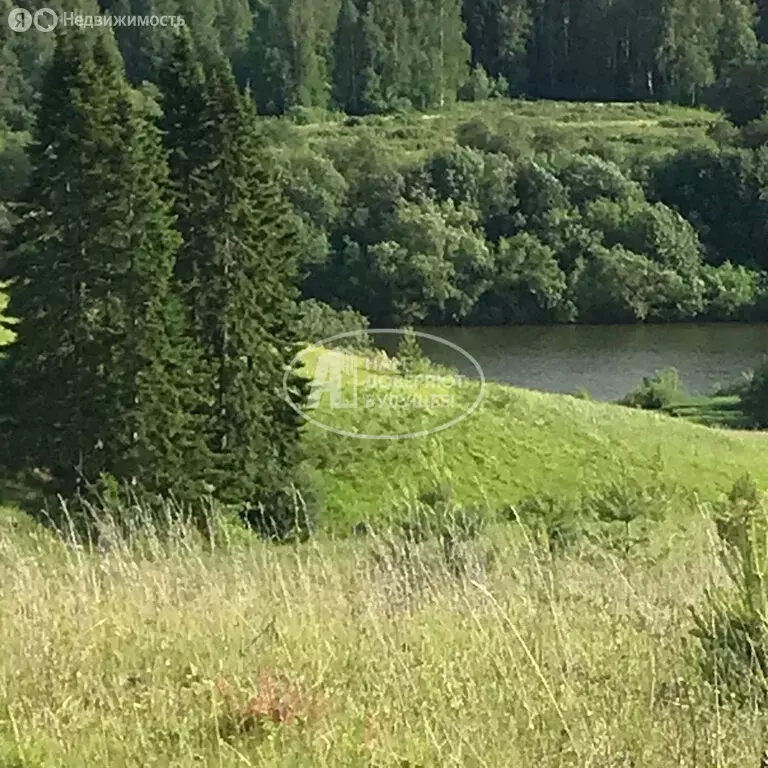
point(518, 444)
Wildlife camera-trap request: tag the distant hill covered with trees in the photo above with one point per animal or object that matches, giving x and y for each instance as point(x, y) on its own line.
point(364, 56)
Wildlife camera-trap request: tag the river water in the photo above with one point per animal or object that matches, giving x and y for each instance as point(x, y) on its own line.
point(608, 361)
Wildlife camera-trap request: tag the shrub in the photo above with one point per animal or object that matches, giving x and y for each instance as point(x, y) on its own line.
point(656, 392)
point(410, 357)
point(738, 387)
point(286, 514)
point(558, 524)
point(626, 509)
point(477, 86)
point(754, 400)
point(733, 631)
point(617, 516)
point(319, 321)
point(500, 88)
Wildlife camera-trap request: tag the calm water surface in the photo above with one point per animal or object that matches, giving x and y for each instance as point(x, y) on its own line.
point(606, 360)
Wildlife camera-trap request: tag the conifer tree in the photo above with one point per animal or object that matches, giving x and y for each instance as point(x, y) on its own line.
point(237, 271)
point(99, 381)
point(352, 60)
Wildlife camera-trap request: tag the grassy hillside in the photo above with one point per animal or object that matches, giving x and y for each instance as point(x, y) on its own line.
point(316, 656)
point(518, 443)
point(515, 445)
point(183, 651)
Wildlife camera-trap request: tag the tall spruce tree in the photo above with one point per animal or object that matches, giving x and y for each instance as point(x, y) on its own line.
point(237, 271)
point(99, 381)
point(353, 59)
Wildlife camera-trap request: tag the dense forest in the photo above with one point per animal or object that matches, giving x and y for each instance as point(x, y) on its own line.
point(365, 56)
point(536, 216)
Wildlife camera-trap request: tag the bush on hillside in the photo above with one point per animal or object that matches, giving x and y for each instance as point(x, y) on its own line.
point(410, 356)
point(477, 86)
point(656, 392)
point(754, 400)
point(736, 388)
point(287, 514)
point(319, 321)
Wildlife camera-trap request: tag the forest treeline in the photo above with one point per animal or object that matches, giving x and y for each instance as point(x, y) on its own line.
point(492, 224)
point(492, 231)
point(368, 56)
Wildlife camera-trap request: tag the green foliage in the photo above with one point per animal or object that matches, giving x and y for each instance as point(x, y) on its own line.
point(285, 512)
point(735, 388)
point(754, 400)
point(455, 174)
point(390, 54)
point(237, 274)
point(477, 87)
point(421, 260)
point(755, 133)
point(557, 523)
point(100, 378)
point(6, 333)
point(733, 630)
point(588, 178)
point(731, 291)
point(567, 237)
point(498, 34)
point(612, 286)
point(741, 92)
point(618, 515)
point(656, 392)
point(527, 284)
point(318, 321)
point(410, 356)
point(720, 193)
point(285, 59)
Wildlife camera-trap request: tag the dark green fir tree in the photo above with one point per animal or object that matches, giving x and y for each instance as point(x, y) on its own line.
point(100, 380)
point(237, 272)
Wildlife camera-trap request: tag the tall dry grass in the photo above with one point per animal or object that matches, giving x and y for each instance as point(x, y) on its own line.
point(178, 652)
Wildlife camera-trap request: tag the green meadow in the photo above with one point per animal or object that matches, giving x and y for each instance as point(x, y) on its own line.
point(516, 444)
point(494, 641)
point(632, 129)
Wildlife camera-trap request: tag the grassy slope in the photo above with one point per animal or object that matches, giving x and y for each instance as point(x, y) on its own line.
point(520, 443)
point(585, 662)
point(621, 132)
point(629, 128)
